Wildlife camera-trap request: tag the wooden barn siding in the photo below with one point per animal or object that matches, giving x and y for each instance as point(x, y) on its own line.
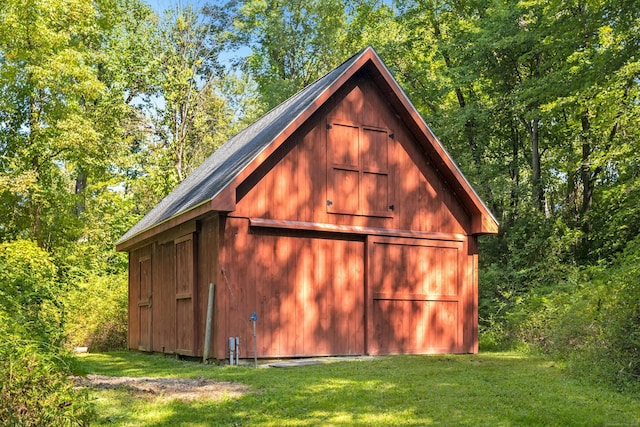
point(132, 326)
point(207, 272)
point(295, 188)
point(307, 290)
point(136, 303)
point(470, 344)
point(163, 308)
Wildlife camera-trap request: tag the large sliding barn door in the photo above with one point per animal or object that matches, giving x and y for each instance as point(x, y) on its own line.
point(414, 299)
point(185, 282)
point(308, 292)
point(310, 296)
point(144, 303)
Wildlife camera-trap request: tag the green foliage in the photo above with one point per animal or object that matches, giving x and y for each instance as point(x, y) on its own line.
point(34, 385)
point(29, 292)
point(593, 321)
point(195, 118)
point(35, 389)
point(97, 313)
point(612, 338)
point(293, 43)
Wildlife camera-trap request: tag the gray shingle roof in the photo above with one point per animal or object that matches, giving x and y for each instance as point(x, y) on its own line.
point(228, 161)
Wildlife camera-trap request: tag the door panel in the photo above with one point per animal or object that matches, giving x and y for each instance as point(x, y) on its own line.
point(358, 174)
point(413, 301)
point(144, 304)
point(185, 296)
point(308, 293)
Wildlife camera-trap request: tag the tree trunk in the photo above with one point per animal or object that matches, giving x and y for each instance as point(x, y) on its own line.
point(35, 206)
point(585, 171)
point(514, 170)
point(537, 189)
point(81, 185)
point(469, 124)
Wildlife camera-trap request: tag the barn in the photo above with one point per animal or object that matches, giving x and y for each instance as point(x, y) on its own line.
point(338, 218)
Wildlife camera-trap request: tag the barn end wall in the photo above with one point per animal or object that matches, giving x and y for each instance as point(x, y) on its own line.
point(302, 261)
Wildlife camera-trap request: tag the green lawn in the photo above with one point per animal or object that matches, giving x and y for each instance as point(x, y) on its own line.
point(489, 389)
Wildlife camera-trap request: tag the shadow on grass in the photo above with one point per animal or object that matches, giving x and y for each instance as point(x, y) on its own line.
point(487, 389)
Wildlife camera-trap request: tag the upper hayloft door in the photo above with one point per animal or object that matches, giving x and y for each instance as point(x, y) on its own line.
point(359, 177)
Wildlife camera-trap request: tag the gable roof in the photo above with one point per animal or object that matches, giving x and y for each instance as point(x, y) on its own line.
point(208, 182)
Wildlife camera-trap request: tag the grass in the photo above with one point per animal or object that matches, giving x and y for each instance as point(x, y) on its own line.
point(489, 389)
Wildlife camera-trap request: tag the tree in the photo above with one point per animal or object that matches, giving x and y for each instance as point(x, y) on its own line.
point(188, 75)
point(63, 109)
point(294, 42)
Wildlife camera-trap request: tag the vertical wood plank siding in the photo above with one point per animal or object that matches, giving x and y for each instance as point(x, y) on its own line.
point(296, 186)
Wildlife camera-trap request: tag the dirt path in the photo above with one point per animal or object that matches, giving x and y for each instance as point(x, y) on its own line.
point(168, 388)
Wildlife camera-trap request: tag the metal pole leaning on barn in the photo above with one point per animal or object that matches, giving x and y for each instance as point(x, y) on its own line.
point(207, 334)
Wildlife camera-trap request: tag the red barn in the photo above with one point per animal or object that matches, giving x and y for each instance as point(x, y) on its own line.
point(337, 217)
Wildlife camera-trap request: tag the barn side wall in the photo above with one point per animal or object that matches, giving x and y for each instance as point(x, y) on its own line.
point(168, 288)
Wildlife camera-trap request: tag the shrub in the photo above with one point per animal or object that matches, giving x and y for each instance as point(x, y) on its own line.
point(35, 389)
point(34, 386)
point(616, 345)
point(591, 320)
point(29, 291)
point(97, 313)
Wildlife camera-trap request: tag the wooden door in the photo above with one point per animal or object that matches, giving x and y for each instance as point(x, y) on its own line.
point(308, 292)
point(414, 303)
point(358, 175)
point(144, 304)
point(185, 285)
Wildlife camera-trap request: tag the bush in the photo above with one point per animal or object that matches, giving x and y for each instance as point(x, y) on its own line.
point(34, 386)
point(97, 313)
point(592, 320)
point(29, 291)
point(35, 389)
point(616, 343)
